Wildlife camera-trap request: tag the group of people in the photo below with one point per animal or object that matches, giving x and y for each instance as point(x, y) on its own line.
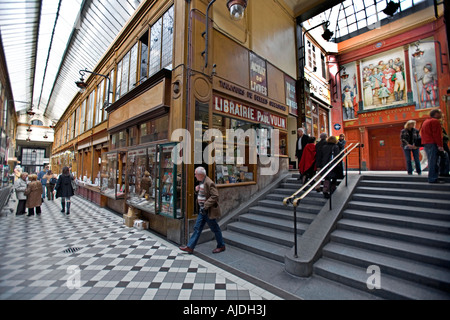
point(434, 139)
point(31, 190)
point(312, 157)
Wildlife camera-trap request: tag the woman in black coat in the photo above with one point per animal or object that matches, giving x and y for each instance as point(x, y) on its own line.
point(64, 189)
point(327, 152)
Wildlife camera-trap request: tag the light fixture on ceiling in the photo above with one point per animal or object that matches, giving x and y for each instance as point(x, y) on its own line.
point(237, 9)
point(31, 112)
point(28, 139)
point(45, 136)
point(29, 129)
point(391, 8)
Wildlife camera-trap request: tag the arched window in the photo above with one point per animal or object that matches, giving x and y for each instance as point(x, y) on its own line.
point(37, 123)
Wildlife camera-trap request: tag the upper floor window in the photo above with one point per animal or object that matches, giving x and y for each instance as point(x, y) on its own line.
point(37, 123)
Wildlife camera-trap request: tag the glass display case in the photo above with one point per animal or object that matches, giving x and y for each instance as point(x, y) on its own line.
point(112, 176)
point(168, 182)
point(141, 179)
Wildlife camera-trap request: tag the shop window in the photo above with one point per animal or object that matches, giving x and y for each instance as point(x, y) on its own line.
point(118, 140)
point(233, 167)
point(144, 57)
point(161, 43)
point(100, 103)
point(118, 80)
point(83, 117)
point(90, 110)
point(125, 71)
point(154, 130)
point(133, 67)
point(132, 136)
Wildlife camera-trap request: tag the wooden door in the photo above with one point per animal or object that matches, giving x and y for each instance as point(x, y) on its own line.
point(386, 153)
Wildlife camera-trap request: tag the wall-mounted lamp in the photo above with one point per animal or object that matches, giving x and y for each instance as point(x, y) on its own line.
point(83, 85)
point(236, 8)
point(419, 53)
point(391, 8)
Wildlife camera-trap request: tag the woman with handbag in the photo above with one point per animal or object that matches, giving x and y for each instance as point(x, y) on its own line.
point(34, 195)
point(64, 189)
point(411, 142)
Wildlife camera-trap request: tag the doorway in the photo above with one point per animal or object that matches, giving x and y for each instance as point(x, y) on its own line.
point(386, 153)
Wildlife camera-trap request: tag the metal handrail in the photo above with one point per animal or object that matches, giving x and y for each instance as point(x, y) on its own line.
point(350, 148)
point(288, 200)
point(328, 168)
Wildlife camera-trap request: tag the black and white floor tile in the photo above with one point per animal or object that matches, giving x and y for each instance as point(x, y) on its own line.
point(91, 255)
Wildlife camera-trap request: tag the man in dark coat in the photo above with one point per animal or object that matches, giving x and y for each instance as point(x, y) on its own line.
point(302, 141)
point(64, 189)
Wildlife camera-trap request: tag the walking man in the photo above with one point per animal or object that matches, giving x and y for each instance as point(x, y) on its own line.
point(209, 211)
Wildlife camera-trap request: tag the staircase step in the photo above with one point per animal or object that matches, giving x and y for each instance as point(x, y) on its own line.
point(405, 185)
point(428, 194)
point(283, 213)
point(258, 246)
point(273, 234)
point(390, 287)
point(438, 214)
point(302, 207)
point(398, 220)
point(402, 200)
point(399, 233)
point(437, 277)
point(309, 199)
point(274, 222)
point(405, 249)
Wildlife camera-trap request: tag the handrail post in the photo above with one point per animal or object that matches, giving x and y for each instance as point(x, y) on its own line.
point(346, 171)
point(295, 232)
point(359, 157)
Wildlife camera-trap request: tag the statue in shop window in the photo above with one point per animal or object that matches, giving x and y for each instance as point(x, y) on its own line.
point(429, 94)
point(146, 184)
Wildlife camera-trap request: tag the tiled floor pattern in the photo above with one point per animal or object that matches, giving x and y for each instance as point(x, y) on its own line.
point(112, 261)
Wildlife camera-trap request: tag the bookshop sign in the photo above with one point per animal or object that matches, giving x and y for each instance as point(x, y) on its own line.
point(241, 111)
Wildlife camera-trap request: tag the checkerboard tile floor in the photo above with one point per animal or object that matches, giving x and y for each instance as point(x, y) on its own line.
point(107, 261)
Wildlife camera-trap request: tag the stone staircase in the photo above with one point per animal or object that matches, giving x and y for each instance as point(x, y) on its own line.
point(267, 228)
point(400, 224)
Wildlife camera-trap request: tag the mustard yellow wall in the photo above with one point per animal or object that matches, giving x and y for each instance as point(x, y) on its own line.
point(273, 39)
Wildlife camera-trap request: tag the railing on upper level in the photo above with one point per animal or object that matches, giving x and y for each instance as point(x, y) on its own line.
point(301, 193)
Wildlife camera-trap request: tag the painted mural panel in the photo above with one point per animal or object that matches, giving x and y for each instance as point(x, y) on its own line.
point(349, 91)
point(423, 70)
point(384, 80)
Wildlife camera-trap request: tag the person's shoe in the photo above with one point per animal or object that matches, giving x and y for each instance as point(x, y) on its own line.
point(186, 249)
point(437, 181)
point(218, 250)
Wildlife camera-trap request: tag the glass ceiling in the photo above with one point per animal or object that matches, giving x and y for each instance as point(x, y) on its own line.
point(47, 42)
point(353, 17)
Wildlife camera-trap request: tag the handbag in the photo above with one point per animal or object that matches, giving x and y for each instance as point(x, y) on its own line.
point(74, 185)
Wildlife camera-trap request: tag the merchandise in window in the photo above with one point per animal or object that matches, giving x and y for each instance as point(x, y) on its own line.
point(238, 169)
point(112, 181)
point(142, 179)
